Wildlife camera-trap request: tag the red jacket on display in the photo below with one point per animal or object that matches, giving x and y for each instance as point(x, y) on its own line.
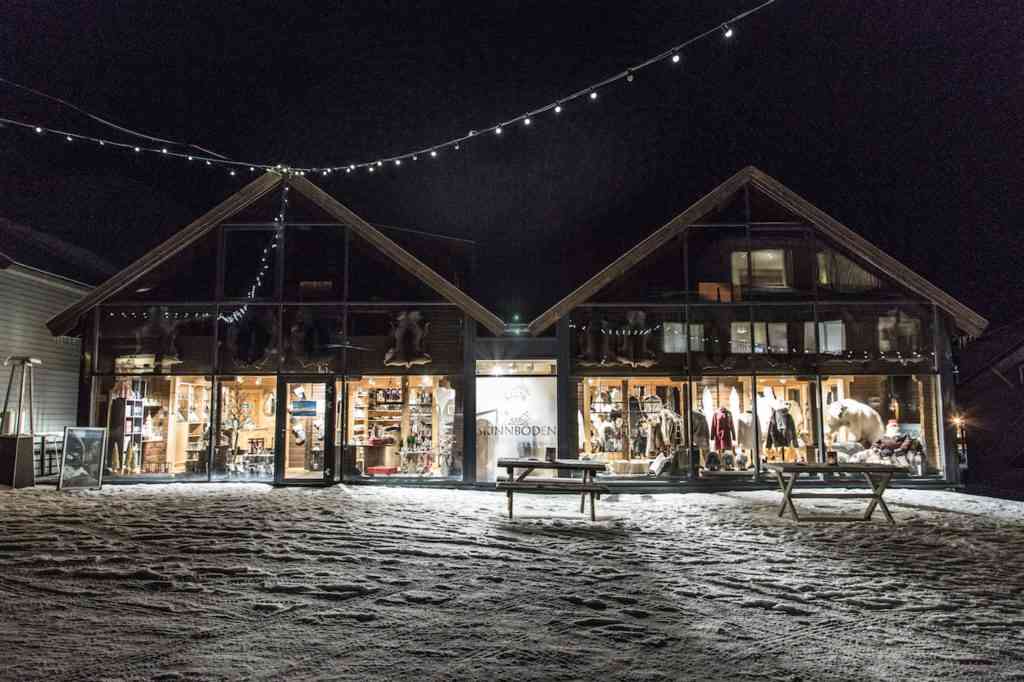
point(722, 429)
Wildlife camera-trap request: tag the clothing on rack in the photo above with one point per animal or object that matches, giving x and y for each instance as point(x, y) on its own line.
point(723, 430)
point(701, 432)
point(781, 430)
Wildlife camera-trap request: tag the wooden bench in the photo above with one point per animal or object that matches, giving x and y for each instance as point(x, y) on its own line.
point(574, 486)
point(876, 475)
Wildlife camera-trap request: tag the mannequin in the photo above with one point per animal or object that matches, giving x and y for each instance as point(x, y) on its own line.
point(723, 430)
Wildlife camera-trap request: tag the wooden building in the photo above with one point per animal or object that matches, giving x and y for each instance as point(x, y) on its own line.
point(281, 337)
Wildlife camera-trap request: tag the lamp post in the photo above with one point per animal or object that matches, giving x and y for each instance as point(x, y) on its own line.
point(960, 425)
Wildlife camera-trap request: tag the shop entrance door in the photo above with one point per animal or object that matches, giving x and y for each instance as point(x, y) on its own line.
point(306, 431)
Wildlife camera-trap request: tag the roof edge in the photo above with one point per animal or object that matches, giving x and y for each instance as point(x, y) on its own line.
point(400, 256)
point(966, 319)
point(646, 247)
point(64, 321)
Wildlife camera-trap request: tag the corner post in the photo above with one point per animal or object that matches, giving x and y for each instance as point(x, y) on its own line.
point(469, 400)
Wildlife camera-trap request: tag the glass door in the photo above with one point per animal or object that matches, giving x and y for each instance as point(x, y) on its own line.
point(307, 431)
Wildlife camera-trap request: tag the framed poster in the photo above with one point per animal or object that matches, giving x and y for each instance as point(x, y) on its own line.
point(81, 465)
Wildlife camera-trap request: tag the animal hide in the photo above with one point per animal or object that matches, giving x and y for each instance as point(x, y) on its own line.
point(862, 423)
point(596, 344)
point(408, 332)
point(634, 338)
point(159, 335)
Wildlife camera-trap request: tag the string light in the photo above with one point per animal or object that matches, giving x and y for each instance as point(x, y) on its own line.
point(672, 54)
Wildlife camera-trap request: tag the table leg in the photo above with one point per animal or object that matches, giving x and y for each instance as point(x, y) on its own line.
point(878, 490)
point(510, 504)
point(787, 490)
point(593, 514)
point(583, 495)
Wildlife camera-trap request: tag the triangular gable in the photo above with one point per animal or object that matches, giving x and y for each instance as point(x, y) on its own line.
point(65, 321)
point(966, 319)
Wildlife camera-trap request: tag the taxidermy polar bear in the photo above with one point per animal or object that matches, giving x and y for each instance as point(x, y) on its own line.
point(862, 423)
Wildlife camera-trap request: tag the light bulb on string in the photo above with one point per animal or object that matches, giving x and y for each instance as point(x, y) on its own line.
point(456, 147)
point(725, 29)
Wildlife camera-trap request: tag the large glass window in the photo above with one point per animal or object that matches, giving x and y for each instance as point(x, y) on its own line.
point(313, 339)
point(884, 419)
point(314, 263)
point(244, 449)
point(250, 263)
point(632, 422)
point(768, 269)
point(157, 426)
point(623, 339)
point(405, 425)
point(722, 425)
point(787, 409)
point(725, 340)
point(248, 338)
point(711, 253)
point(162, 339)
point(876, 337)
point(783, 339)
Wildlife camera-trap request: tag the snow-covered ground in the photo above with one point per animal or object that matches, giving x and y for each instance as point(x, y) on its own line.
point(245, 581)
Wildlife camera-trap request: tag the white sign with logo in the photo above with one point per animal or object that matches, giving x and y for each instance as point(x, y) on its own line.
point(516, 417)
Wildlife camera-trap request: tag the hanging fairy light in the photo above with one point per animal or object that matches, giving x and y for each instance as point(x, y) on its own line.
point(672, 55)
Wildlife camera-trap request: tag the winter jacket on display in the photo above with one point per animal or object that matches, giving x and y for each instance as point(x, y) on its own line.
point(723, 429)
point(701, 436)
point(781, 430)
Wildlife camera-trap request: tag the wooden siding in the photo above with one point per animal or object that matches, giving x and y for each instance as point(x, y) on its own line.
point(28, 302)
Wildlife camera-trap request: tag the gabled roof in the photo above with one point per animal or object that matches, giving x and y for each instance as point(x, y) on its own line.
point(966, 319)
point(990, 350)
point(63, 322)
point(42, 252)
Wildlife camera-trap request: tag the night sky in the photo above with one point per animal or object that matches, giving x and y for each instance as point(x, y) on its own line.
point(901, 119)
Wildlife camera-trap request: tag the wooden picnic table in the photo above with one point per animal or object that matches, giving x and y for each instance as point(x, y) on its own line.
point(877, 476)
point(584, 486)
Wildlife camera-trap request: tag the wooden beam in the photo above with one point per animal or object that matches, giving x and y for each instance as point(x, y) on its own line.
point(64, 321)
point(403, 258)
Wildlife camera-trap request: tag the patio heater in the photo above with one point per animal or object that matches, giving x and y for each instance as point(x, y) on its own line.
point(16, 468)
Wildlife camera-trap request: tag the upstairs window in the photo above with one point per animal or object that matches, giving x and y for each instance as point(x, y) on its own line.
point(839, 273)
point(772, 269)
